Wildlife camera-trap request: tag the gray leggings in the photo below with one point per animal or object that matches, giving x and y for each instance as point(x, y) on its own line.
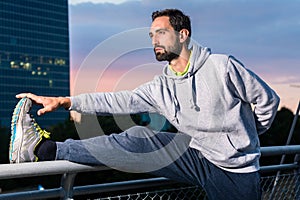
point(140, 150)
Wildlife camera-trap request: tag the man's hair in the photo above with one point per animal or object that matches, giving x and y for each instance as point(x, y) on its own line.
point(178, 19)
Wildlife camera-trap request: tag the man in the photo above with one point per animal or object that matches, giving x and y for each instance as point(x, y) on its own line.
point(207, 97)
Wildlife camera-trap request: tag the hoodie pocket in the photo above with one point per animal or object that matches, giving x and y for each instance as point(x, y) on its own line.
point(218, 148)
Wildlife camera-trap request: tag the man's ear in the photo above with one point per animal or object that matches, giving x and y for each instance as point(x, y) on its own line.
point(183, 35)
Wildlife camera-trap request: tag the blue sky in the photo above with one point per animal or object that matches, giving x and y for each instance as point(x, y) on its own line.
point(263, 34)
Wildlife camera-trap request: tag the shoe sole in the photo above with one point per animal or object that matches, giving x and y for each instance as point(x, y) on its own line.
point(17, 134)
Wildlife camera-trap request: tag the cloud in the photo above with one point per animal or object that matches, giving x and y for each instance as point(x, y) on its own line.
point(75, 2)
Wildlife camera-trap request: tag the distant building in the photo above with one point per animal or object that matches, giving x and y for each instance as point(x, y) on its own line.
point(34, 54)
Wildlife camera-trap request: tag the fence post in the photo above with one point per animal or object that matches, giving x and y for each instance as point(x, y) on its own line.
point(67, 183)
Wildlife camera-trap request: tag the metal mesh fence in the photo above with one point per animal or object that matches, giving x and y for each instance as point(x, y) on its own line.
point(192, 193)
point(276, 187)
point(283, 187)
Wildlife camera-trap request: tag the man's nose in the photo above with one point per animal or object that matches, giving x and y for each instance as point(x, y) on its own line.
point(155, 40)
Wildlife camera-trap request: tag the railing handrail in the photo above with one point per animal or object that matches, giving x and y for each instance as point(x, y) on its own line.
point(280, 150)
point(30, 169)
point(69, 170)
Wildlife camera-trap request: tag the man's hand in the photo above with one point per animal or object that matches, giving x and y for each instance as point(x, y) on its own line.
point(49, 103)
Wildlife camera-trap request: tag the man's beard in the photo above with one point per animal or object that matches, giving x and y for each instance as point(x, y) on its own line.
point(168, 55)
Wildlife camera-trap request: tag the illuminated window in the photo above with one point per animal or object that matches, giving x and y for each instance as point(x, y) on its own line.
point(59, 61)
point(27, 66)
point(50, 83)
point(14, 65)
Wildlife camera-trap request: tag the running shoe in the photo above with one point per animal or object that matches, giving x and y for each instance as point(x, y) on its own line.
point(26, 134)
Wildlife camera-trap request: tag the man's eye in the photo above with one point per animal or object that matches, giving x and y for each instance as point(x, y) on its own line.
point(161, 32)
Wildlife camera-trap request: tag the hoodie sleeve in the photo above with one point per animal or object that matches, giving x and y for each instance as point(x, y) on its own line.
point(123, 102)
point(251, 89)
point(101, 103)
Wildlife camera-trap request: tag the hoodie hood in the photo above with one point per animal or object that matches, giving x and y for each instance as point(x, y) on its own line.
point(197, 59)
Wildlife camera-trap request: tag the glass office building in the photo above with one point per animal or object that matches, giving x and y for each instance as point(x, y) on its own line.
point(34, 54)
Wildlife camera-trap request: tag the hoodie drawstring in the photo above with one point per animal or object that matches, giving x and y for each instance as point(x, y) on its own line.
point(176, 103)
point(192, 97)
point(191, 80)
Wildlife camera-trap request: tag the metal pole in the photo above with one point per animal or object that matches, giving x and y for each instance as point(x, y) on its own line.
point(67, 182)
point(287, 143)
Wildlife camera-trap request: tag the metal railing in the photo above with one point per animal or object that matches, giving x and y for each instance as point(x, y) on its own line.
point(69, 170)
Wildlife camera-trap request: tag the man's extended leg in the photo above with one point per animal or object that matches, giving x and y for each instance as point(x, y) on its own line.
point(139, 149)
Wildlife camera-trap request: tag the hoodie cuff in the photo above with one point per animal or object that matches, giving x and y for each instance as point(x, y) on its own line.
point(75, 105)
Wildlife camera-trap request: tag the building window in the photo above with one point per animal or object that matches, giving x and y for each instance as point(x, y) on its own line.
point(60, 61)
point(50, 83)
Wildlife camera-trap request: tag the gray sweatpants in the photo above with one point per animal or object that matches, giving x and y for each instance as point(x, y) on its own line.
point(141, 150)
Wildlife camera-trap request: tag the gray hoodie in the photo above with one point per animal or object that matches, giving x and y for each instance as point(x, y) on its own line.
point(222, 105)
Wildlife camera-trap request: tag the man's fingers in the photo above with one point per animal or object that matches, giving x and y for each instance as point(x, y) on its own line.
point(47, 102)
point(29, 95)
point(41, 111)
point(33, 97)
point(21, 95)
point(45, 110)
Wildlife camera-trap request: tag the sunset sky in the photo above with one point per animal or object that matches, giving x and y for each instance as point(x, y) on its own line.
point(111, 50)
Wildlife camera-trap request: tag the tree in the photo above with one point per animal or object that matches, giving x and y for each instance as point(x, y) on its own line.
point(279, 131)
point(4, 144)
point(278, 134)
